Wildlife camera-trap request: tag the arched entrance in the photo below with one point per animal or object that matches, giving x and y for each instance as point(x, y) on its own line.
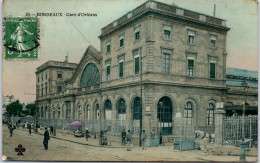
point(164, 115)
point(137, 108)
point(108, 110)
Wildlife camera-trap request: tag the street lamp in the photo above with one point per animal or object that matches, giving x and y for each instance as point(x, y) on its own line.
point(244, 89)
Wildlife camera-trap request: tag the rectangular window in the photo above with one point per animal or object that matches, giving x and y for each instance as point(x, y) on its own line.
point(212, 43)
point(137, 35)
point(212, 70)
point(121, 43)
point(42, 89)
point(42, 77)
point(46, 88)
point(37, 90)
point(137, 65)
point(167, 34)
point(108, 72)
point(59, 89)
point(59, 75)
point(46, 76)
point(108, 48)
point(191, 37)
point(210, 117)
point(166, 62)
point(190, 67)
point(38, 79)
point(121, 69)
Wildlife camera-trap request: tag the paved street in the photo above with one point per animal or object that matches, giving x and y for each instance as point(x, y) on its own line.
point(62, 150)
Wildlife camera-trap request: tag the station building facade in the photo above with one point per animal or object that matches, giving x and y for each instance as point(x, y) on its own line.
point(170, 60)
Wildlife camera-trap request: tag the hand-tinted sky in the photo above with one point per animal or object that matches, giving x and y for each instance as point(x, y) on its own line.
point(59, 37)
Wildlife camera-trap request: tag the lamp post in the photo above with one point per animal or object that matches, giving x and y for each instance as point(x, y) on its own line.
point(244, 89)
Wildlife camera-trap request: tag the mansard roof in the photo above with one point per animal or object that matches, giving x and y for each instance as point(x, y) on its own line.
point(94, 53)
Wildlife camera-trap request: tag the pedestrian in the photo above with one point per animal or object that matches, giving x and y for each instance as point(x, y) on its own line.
point(129, 141)
point(26, 125)
point(86, 133)
point(46, 139)
point(160, 140)
point(123, 135)
point(10, 127)
point(51, 130)
point(143, 138)
point(30, 128)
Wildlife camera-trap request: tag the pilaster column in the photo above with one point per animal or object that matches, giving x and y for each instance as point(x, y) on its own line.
point(219, 115)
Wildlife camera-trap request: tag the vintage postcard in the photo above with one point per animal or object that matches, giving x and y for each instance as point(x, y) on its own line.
point(130, 80)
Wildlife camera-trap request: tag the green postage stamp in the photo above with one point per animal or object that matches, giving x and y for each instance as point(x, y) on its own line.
point(21, 38)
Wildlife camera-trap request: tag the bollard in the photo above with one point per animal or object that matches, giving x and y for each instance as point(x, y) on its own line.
point(243, 151)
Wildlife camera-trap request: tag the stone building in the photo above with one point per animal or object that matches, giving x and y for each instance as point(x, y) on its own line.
point(175, 57)
point(234, 97)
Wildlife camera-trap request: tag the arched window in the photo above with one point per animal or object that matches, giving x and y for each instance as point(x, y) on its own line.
point(58, 111)
point(97, 111)
point(90, 76)
point(164, 115)
point(121, 106)
point(79, 112)
point(87, 113)
point(49, 112)
point(53, 112)
point(42, 112)
point(108, 109)
point(210, 114)
point(137, 108)
point(188, 113)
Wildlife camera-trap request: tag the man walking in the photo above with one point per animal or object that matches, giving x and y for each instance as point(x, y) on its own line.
point(123, 135)
point(10, 127)
point(30, 128)
point(129, 140)
point(86, 133)
point(51, 130)
point(46, 138)
point(143, 138)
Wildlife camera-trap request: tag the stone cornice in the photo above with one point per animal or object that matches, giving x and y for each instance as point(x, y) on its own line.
point(167, 12)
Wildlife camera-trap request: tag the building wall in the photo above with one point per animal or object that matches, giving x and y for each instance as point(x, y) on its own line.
point(129, 45)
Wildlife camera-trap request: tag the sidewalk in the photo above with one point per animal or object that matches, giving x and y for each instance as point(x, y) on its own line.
point(78, 140)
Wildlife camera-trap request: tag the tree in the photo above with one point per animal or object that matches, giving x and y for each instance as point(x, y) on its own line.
point(31, 109)
point(15, 108)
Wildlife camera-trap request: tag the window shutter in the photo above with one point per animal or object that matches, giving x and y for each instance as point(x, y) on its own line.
point(191, 63)
point(121, 69)
point(137, 65)
point(108, 70)
point(108, 48)
point(121, 42)
point(212, 70)
point(167, 32)
point(137, 35)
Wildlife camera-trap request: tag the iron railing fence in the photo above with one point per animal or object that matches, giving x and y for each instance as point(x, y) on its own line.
point(113, 127)
point(232, 131)
point(183, 130)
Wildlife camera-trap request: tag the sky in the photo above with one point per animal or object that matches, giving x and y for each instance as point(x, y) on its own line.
point(59, 37)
